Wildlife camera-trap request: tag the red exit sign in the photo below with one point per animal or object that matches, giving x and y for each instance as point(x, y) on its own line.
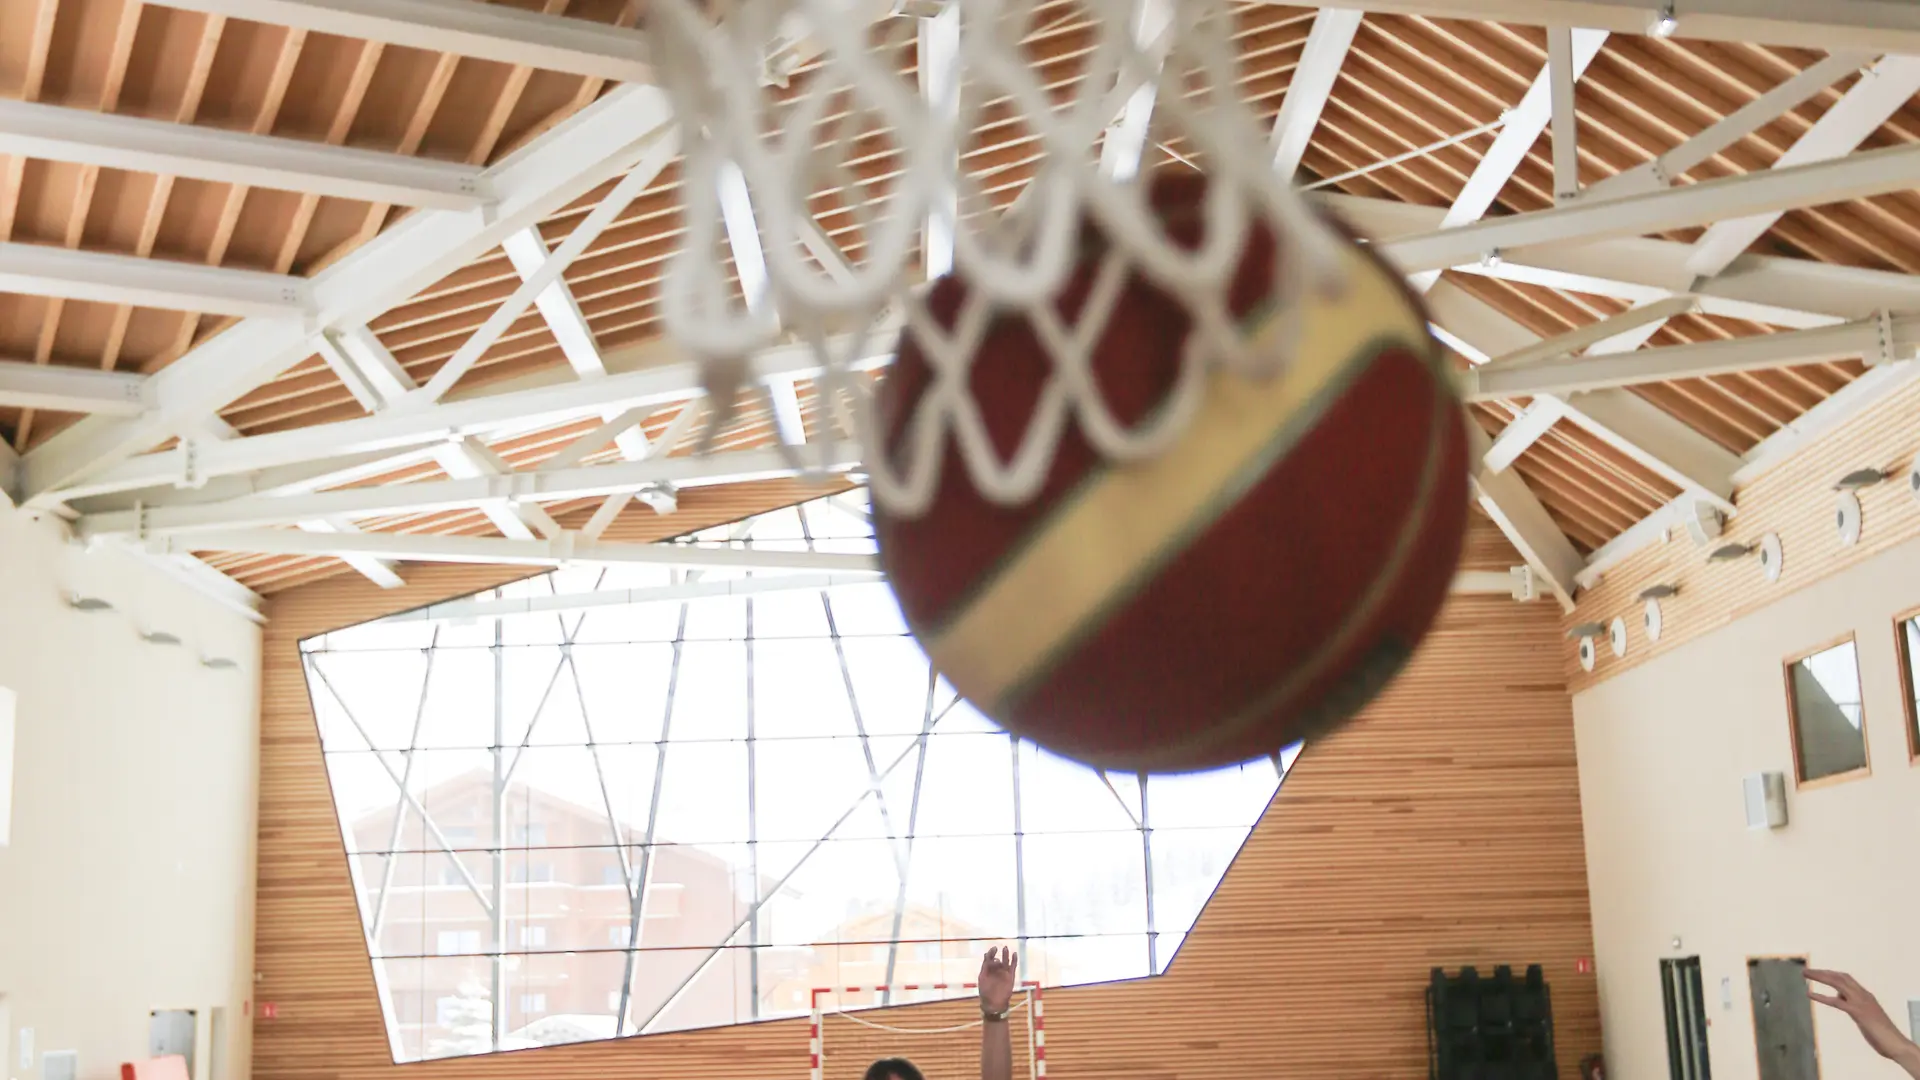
point(1582, 966)
point(269, 1010)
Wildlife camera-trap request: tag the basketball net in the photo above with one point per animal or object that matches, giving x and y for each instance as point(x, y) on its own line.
point(795, 112)
point(941, 1038)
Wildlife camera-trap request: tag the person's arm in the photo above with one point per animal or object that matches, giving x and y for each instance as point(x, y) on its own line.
point(1864, 1009)
point(997, 971)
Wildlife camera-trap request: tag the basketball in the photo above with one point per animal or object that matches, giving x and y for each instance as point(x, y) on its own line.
point(1255, 585)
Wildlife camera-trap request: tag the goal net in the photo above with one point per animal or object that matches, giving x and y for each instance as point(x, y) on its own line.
point(940, 1037)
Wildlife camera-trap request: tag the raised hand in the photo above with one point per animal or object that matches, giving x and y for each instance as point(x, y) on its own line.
point(1875, 1025)
point(997, 973)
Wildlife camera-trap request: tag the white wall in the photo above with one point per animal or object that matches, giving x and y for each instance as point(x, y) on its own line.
point(128, 885)
point(1662, 751)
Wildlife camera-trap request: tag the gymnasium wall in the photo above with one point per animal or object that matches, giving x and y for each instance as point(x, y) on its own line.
point(1444, 829)
point(128, 882)
point(1663, 748)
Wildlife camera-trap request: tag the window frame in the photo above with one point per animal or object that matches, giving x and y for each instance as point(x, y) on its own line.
point(1907, 687)
point(1800, 781)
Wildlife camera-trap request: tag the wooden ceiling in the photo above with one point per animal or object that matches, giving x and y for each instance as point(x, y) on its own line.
point(1407, 82)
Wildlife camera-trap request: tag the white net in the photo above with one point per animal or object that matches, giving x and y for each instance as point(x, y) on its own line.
point(839, 155)
point(941, 1039)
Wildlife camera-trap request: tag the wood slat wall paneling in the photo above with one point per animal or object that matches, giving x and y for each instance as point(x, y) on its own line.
point(1794, 499)
point(1442, 829)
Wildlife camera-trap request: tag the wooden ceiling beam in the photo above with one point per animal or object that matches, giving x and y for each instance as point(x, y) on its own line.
point(137, 144)
point(497, 32)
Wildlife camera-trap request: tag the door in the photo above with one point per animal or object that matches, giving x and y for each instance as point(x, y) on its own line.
point(1686, 1019)
point(1782, 1019)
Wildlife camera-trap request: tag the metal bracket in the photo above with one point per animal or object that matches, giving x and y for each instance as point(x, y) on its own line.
point(190, 474)
point(1883, 333)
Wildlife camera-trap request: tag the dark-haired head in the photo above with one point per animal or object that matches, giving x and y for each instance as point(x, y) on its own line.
point(893, 1069)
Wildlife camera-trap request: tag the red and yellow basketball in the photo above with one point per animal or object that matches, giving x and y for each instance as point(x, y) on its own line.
point(1256, 584)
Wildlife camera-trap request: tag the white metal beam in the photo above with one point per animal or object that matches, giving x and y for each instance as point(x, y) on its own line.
point(1640, 534)
point(628, 128)
point(1847, 341)
point(1522, 432)
point(1880, 25)
point(1525, 122)
point(604, 214)
point(1736, 125)
point(528, 252)
point(1562, 75)
point(378, 571)
point(939, 74)
point(1526, 523)
point(1312, 83)
point(1594, 334)
point(398, 429)
point(54, 133)
point(567, 548)
point(40, 270)
point(657, 594)
point(517, 489)
point(497, 32)
point(1660, 443)
point(1875, 172)
point(1880, 93)
point(189, 571)
point(1125, 142)
point(58, 388)
point(1783, 292)
point(9, 476)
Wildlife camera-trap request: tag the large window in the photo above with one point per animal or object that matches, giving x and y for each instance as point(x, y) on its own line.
point(1827, 720)
point(651, 802)
point(1907, 631)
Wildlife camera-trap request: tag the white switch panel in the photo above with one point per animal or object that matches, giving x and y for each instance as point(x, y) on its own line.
point(60, 1065)
point(26, 1049)
point(1913, 1018)
point(1726, 991)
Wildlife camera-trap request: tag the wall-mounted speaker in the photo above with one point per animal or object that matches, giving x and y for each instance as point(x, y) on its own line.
point(1766, 795)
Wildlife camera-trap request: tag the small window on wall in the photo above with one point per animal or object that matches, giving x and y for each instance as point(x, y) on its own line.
point(1908, 635)
point(1823, 707)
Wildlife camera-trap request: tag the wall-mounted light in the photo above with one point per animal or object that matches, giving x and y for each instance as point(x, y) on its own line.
point(159, 637)
point(1913, 478)
point(88, 603)
point(1664, 22)
point(219, 663)
point(1584, 634)
point(1703, 520)
point(1651, 617)
point(1773, 556)
point(1846, 512)
point(1617, 636)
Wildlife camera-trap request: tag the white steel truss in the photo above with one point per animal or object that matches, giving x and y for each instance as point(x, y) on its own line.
point(54, 133)
point(628, 129)
point(1311, 85)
